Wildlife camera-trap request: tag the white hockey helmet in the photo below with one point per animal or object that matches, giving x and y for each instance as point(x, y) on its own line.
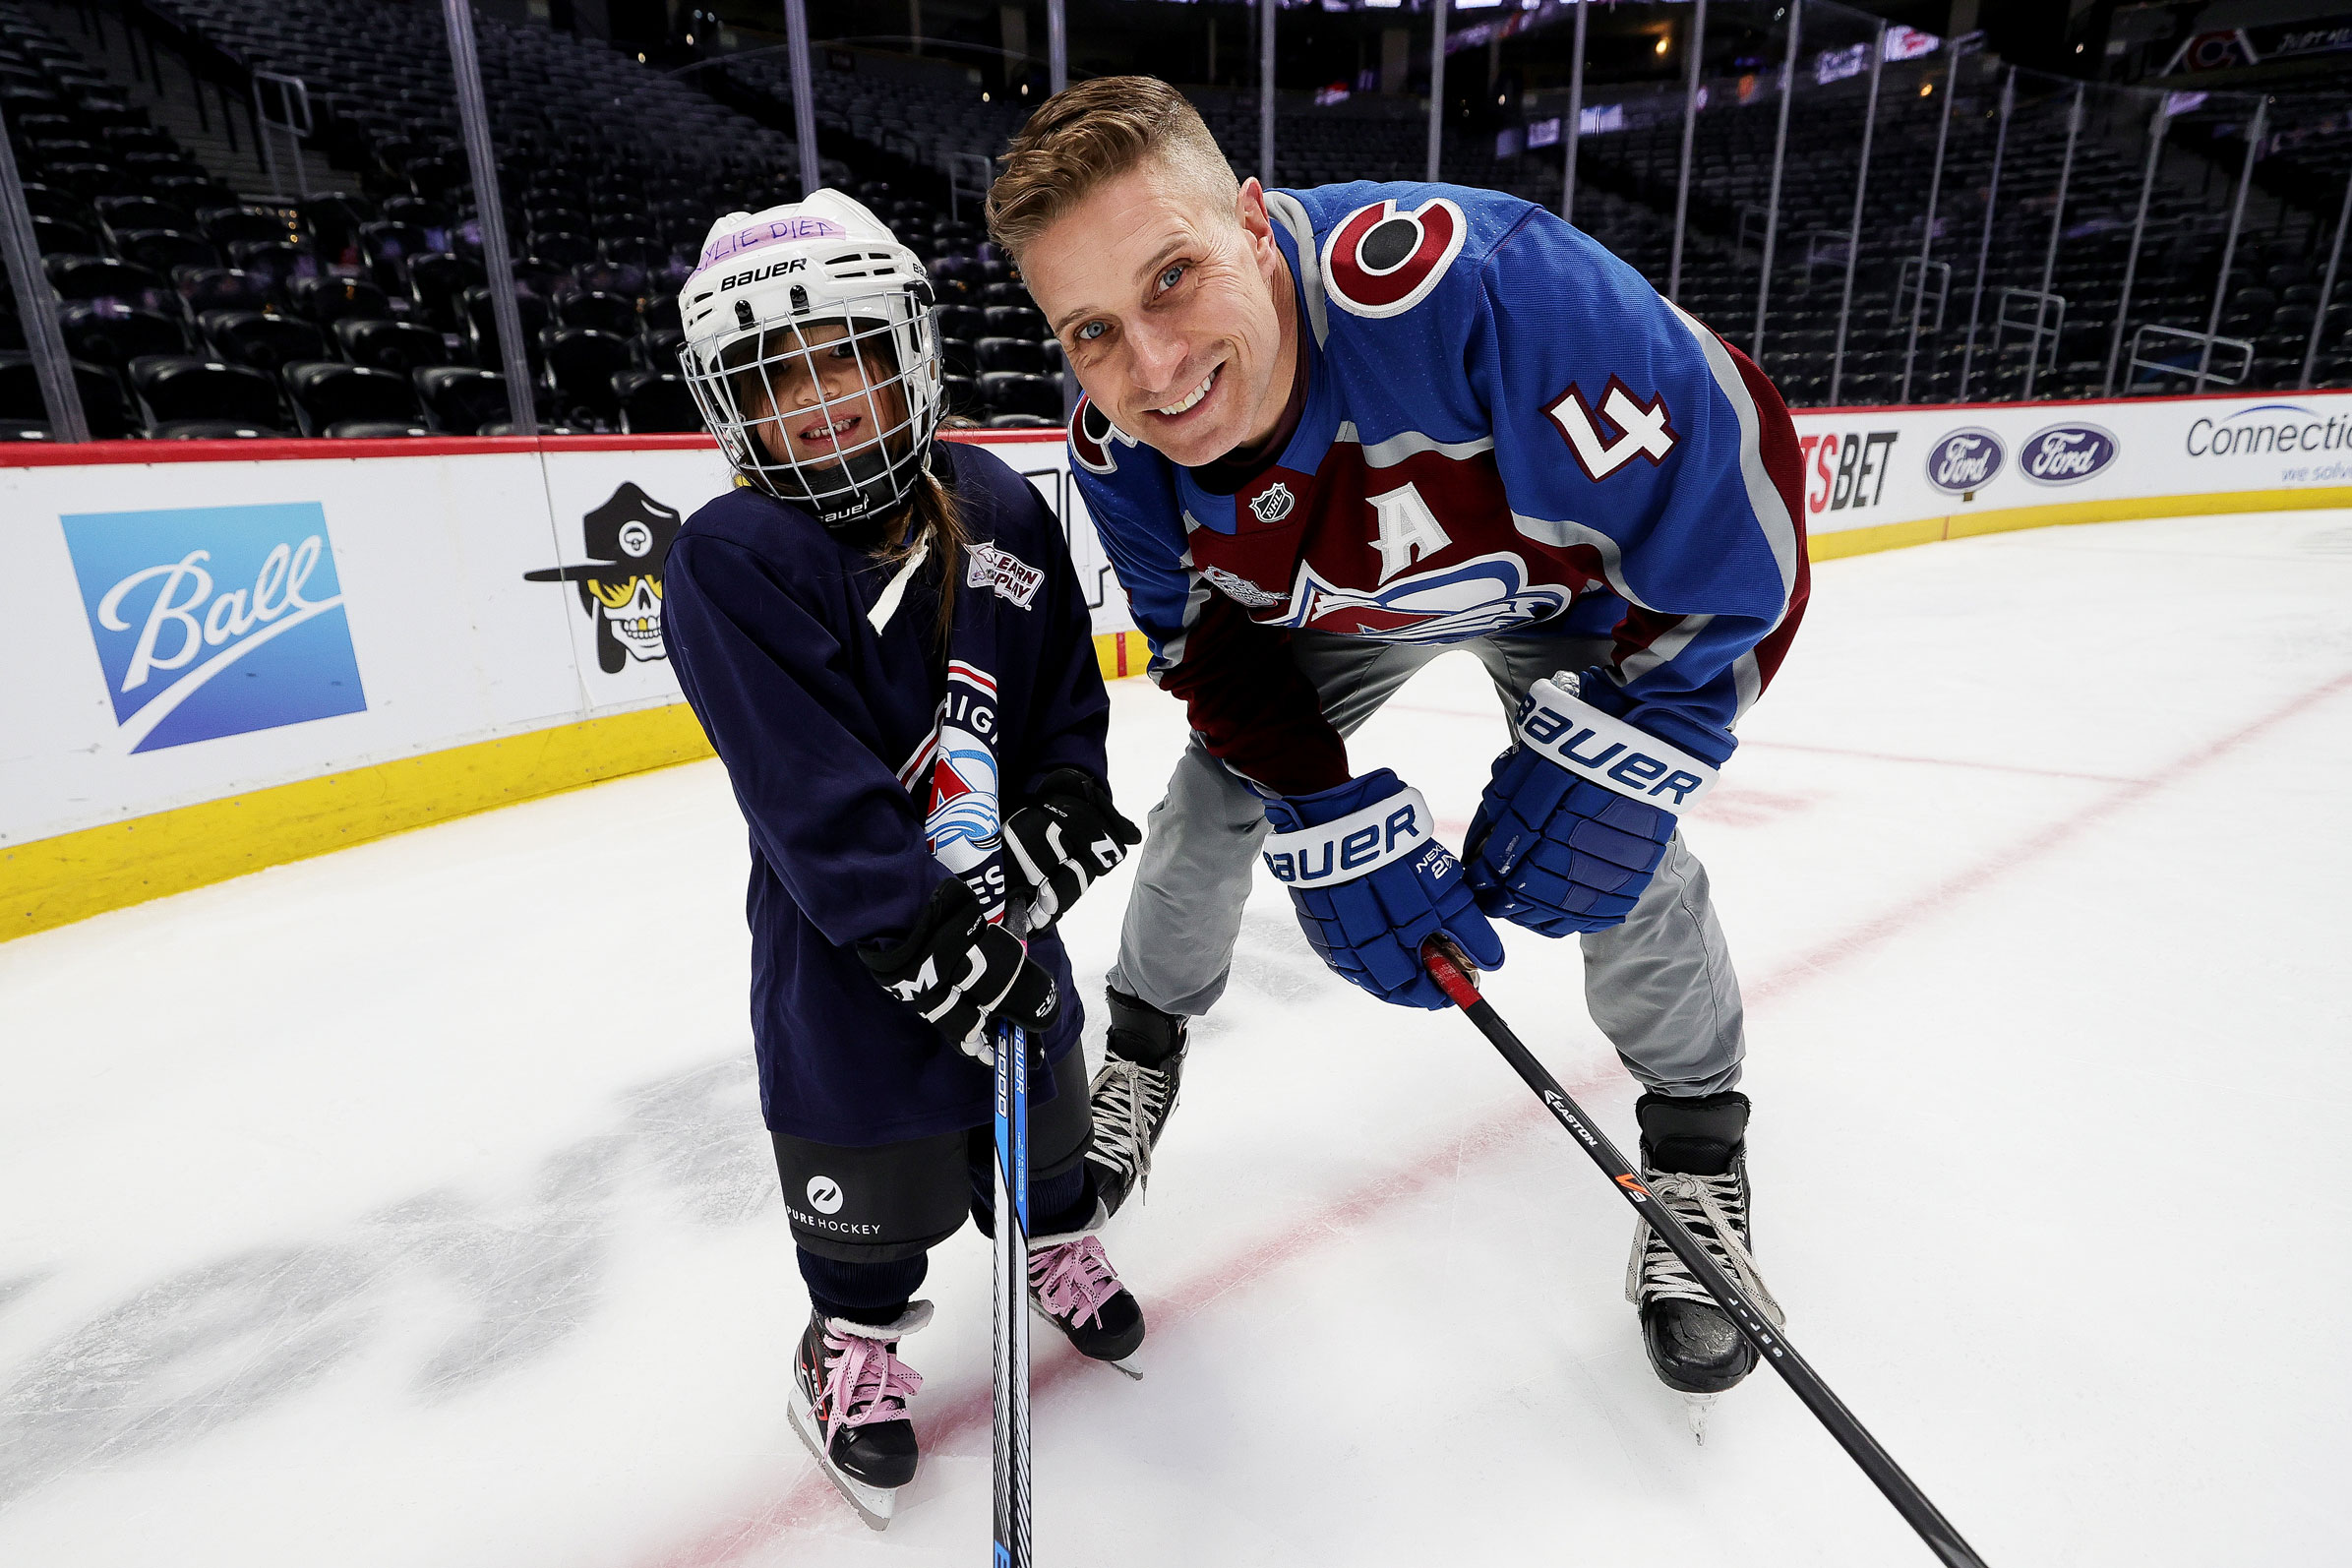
point(753, 311)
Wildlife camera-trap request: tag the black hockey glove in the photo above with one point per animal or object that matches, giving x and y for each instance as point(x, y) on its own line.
point(960, 973)
point(1071, 835)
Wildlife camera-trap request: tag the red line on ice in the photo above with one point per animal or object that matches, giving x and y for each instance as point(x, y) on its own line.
point(969, 1412)
point(1832, 751)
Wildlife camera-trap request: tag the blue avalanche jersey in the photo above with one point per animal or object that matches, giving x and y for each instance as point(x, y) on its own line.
point(1504, 429)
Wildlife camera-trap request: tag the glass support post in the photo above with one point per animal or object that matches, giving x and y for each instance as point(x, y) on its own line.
point(1696, 43)
point(1927, 230)
point(2157, 125)
point(473, 115)
point(1985, 242)
point(2335, 255)
point(1853, 237)
point(803, 92)
point(2066, 174)
point(2229, 246)
point(1572, 126)
point(1772, 208)
point(1436, 84)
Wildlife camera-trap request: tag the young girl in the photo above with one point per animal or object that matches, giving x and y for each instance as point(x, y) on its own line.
point(884, 637)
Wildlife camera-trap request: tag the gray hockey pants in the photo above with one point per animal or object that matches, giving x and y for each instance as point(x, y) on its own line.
point(1660, 986)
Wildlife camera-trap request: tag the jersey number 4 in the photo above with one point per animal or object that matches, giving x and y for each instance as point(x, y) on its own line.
point(1643, 429)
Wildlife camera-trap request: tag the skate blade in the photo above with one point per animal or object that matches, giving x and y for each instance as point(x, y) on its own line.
point(874, 1504)
point(1695, 1408)
point(1116, 1366)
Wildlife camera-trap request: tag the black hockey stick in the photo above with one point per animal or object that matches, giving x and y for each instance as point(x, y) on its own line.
point(1011, 1338)
point(1451, 969)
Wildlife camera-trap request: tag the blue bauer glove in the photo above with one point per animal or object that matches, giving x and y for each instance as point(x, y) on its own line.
point(1372, 883)
point(1577, 815)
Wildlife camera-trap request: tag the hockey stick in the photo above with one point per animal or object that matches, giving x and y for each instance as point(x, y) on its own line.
point(1012, 1340)
point(1451, 969)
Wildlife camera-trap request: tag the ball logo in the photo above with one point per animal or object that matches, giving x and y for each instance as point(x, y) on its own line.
point(824, 1194)
point(1964, 461)
point(214, 621)
point(2064, 454)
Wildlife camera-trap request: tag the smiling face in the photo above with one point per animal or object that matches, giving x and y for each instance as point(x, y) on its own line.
point(1174, 310)
point(825, 395)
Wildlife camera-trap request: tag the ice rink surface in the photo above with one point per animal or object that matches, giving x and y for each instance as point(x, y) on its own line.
point(410, 1205)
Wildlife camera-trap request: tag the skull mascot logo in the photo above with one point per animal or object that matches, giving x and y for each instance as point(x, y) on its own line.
point(630, 533)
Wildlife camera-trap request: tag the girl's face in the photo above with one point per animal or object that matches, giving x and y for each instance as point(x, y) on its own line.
point(837, 396)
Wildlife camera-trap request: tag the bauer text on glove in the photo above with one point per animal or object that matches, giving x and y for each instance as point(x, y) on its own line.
point(1372, 883)
point(1577, 814)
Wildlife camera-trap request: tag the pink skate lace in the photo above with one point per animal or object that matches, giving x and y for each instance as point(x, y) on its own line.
point(867, 1381)
point(1072, 1279)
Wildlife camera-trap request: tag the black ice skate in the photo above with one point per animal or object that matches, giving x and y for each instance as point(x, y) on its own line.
point(850, 1407)
point(1694, 1160)
point(1134, 1096)
point(1071, 1285)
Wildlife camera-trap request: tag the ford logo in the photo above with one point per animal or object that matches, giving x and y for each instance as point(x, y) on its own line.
point(1966, 459)
point(2062, 455)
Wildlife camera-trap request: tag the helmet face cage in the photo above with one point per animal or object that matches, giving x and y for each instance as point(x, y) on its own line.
point(769, 378)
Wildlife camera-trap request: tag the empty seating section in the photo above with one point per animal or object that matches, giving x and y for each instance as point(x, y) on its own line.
point(191, 310)
point(190, 307)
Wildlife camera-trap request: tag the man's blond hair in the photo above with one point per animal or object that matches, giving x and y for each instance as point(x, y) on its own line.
point(1095, 132)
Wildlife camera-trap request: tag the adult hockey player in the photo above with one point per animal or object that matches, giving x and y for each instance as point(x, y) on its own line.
point(1329, 434)
point(884, 639)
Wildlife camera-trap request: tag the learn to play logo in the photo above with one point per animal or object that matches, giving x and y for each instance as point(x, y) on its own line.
point(213, 621)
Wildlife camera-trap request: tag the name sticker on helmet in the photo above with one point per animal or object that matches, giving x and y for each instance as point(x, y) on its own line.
point(754, 235)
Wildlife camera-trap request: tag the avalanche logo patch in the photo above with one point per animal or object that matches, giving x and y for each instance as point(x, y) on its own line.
point(1382, 261)
point(1092, 435)
point(1470, 599)
point(213, 621)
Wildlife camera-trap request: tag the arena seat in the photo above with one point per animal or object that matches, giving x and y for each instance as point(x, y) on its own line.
point(392, 346)
point(330, 392)
point(189, 387)
point(653, 401)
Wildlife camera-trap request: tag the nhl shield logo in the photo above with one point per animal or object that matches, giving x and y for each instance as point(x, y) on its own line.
point(1274, 503)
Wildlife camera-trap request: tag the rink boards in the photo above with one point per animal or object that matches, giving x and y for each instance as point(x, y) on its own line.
point(237, 654)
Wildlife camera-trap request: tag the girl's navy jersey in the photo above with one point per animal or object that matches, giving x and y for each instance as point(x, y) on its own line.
point(817, 714)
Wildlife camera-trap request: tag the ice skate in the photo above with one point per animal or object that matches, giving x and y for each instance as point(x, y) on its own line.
point(1134, 1096)
point(1694, 1160)
point(850, 1393)
point(1073, 1286)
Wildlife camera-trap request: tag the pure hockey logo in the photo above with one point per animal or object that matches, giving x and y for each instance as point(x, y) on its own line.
point(179, 599)
point(1644, 429)
point(824, 1194)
